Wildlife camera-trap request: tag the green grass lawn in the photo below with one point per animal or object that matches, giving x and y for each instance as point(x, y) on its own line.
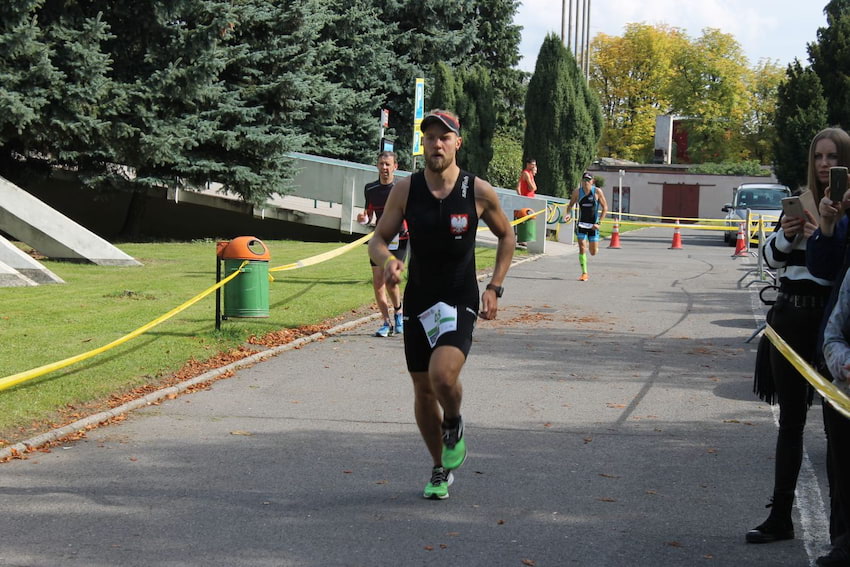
point(99, 304)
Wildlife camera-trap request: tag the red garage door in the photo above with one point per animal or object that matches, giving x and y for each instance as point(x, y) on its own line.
point(680, 201)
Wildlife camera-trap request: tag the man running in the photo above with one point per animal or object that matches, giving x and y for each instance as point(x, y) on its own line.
point(442, 206)
point(376, 194)
point(592, 210)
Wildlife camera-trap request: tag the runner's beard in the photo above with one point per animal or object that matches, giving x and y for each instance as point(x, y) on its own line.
point(437, 164)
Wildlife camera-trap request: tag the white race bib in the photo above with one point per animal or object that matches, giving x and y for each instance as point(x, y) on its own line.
point(585, 225)
point(393, 245)
point(438, 319)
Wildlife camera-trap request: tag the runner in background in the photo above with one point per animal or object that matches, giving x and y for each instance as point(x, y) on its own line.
point(376, 194)
point(592, 211)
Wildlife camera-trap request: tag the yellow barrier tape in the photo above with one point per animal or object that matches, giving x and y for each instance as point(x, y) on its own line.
point(15, 379)
point(681, 225)
point(323, 256)
point(526, 217)
point(825, 388)
point(515, 222)
point(754, 218)
point(20, 377)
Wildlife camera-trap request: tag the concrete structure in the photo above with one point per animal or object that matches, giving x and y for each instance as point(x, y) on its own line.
point(25, 265)
point(329, 193)
point(10, 277)
point(664, 138)
point(51, 233)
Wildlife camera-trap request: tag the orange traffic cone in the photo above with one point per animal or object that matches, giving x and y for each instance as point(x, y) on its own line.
point(615, 236)
point(677, 238)
point(741, 248)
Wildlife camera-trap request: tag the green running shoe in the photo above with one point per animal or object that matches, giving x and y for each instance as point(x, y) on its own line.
point(454, 446)
point(438, 487)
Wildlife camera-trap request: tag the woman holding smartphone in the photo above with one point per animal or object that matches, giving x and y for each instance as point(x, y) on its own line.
point(827, 257)
point(796, 317)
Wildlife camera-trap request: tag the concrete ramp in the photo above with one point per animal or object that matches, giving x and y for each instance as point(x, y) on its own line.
point(52, 233)
point(10, 277)
point(16, 259)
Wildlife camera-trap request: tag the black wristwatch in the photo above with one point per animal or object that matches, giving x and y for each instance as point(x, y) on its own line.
point(497, 288)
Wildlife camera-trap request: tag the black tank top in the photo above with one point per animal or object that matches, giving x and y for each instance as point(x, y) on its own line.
point(376, 195)
point(442, 245)
point(588, 206)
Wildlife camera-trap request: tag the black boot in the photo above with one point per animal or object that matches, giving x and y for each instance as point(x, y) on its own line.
point(778, 525)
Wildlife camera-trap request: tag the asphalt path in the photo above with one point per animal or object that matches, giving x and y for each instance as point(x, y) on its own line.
point(610, 422)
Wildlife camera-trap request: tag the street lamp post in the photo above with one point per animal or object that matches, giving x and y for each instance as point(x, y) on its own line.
point(620, 197)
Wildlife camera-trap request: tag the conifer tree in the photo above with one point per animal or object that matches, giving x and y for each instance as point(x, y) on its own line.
point(563, 120)
point(830, 59)
point(800, 114)
point(475, 105)
point(497, 50)
point(55, 90)
point(461, 34)
point(445, 90)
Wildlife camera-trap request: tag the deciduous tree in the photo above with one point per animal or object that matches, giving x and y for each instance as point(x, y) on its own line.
point(632, 75)
point(710, 88)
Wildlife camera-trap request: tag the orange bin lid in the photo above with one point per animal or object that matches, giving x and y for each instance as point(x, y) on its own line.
point(519, 213)
point(242, 248)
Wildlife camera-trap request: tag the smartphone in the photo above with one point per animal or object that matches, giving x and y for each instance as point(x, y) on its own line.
point(837, 182)
point(792, 207)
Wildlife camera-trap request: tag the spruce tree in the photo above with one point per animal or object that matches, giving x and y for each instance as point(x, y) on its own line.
point(830, 59)
point(460, 34)
point(801, 112)
point(356, 57)
point(55, 90)
point(496, 49)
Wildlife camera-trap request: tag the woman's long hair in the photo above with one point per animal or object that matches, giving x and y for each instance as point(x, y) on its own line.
point(842, 144)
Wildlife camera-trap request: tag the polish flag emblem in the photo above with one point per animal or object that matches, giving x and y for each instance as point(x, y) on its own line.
point(459, 224)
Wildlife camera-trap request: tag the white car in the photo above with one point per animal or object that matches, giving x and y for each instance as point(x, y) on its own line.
point(763, 199)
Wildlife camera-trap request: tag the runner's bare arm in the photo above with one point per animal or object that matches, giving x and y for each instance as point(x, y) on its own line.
point(387, 228)
point(572, 203)
point(490, 211)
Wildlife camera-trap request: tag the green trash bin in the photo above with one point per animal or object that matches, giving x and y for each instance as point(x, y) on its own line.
point(246, 295)
point(525, 231)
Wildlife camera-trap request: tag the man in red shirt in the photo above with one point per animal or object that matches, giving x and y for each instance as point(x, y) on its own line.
point(526, 185)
